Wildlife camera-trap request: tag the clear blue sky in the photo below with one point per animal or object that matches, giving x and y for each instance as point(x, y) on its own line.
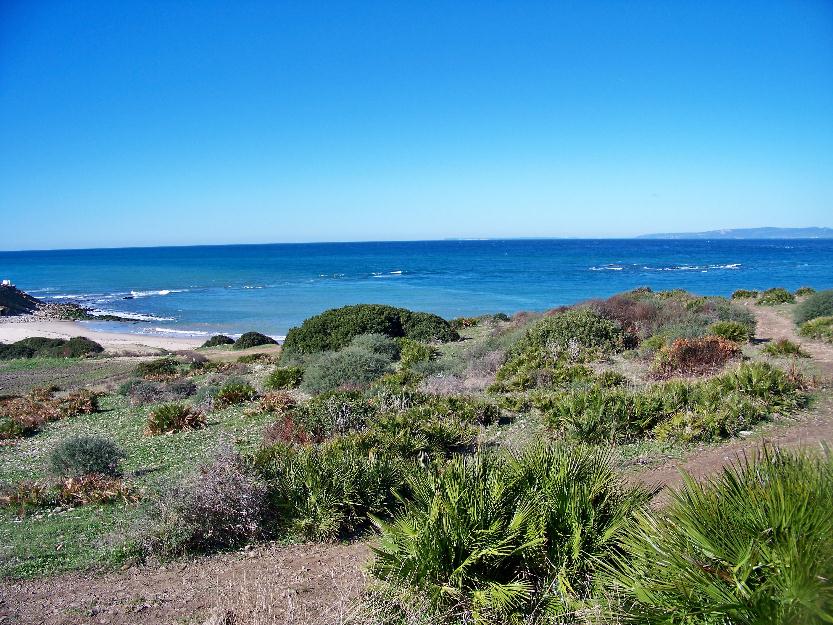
point(153, 123)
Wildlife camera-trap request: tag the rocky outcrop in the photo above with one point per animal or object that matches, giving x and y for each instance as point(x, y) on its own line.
point(13, 301)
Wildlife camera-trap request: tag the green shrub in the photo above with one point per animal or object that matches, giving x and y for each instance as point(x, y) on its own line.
point(85, 454)
point(818, 328)
point(234, 392)
point(336, 412)
point(817, 305)
point(804, 290)
point(754, 545)
point(335, 328)
point(170, 418)
point(284, 378)
point(731, 330)
point(348, 367)
point(253, 339)
point(159, 367)
point(744, 294)
point(413, 352)
point(329, 491)
point(258, 357)
point(496, 538)
point(774, 296)
point(40, 347)
point(785, 347)
point(380, 344)
point(218, 340)
point(580, 329)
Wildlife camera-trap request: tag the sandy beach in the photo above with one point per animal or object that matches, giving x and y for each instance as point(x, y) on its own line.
point(16, 328)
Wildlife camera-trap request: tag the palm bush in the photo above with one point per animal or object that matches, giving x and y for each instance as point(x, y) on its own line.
point(754, 545)
point(731, 330)
point(497, 536)
point(170, 418)
point(817, 305)
point(785, 347)
point(818, 328)
point(234, 392)
point(327, 491)
point(284, 378)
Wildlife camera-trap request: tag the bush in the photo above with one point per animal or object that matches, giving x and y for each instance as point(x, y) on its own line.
point(744, 294)
point(497, 538)
point(817, 305)
point(170, 418)
point(253, 339)
point(819, 328)
point(40, 347)
point(337, 412)
point(348, 367)
point(329, 491)
point(284, 378)
point(380, 344)
point(785, 347)
point(181, 389)
point(694, 356)
point(778, 295)
point(335, 328)
point(144, 392)
point(636, 316)
point(731, 331)
point(157, 368)
point(85, 454)
point(217, 340)
point(582, 328)
point(804, 290)
point(221, 505)
point(234, 392)
point(413, 352)
point(754, 545)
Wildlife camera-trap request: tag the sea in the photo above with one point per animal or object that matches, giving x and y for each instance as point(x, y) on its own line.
point(203, 290)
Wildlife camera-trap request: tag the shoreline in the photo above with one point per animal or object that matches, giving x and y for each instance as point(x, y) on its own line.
point(17, 328)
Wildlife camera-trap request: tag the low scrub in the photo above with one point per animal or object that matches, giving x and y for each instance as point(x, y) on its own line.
point(804, 291)
point(695, 356)
point(817, 305)
point(413, 352)
point(785, 347)
point(40, 347)
point(328, 491)
point(819, 328)
point(234, 392)
point(85, 454)
point(778, 295)
point(573, 330)
point(217, 340)
point(159, 368)
point(731, 331)
point(220, 505)
point(754, 545)
point(336, 328)
point(333, 413)
point(23, 416)
point(347, 368)
point(170, 418)
point(380, 344)
point(67, 492)
point(253, 339)
point(745, 294)
point(500, 538)
point(284, 378)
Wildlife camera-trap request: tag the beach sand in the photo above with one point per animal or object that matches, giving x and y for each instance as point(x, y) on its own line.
point(15, 328)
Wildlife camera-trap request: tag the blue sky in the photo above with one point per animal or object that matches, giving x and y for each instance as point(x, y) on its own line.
point(154, 123)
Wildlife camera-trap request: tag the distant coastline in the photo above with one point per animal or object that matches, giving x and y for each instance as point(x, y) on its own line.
point(748, 233)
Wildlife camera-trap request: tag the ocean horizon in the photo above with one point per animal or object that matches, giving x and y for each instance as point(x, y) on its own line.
point(203, 290)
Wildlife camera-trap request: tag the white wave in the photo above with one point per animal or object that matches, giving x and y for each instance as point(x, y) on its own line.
point(160, 292)
point(607, 268)
point(67, 296)
point(396, 273)
point(132, 316)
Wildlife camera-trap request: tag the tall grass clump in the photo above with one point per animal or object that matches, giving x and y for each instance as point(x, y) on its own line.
point(817, 305)
point(754, 545)
point(495, 537)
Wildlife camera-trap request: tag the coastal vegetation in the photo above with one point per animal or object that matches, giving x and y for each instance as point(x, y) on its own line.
point(485, 458)
point(39, 347)
point(817, 305)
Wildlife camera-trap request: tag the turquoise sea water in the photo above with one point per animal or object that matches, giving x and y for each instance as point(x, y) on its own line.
point(208, 289)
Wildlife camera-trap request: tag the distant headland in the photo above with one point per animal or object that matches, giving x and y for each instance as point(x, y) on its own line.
point(748, 233)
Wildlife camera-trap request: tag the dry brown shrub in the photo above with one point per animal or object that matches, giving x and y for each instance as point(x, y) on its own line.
point(636, 317)
point(80, 491)
point(695, 356)
point(278, 402)
point(286, 430)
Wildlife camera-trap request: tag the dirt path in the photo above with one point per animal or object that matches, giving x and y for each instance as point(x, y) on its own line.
point(810, 428)
point(299, 584)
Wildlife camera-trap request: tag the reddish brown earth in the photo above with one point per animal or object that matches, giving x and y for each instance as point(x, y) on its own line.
point(315, 584)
